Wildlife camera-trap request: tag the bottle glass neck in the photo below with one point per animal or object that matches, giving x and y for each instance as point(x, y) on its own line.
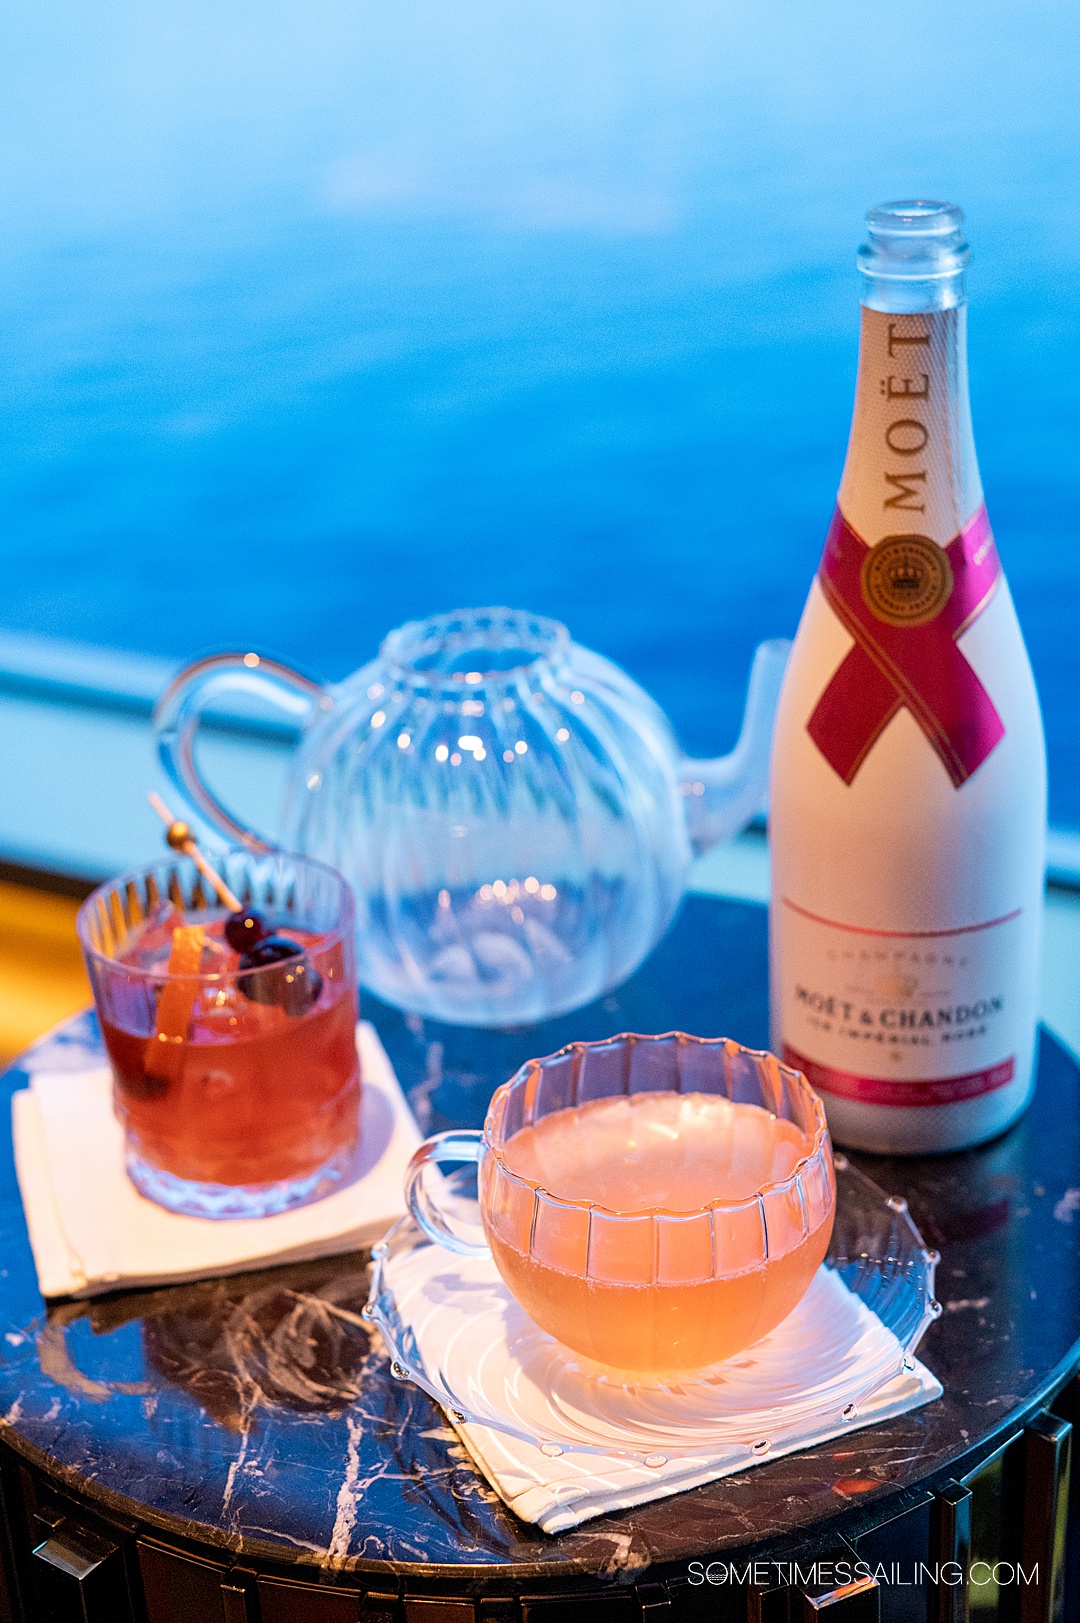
point(914, 258)
point(903, 295)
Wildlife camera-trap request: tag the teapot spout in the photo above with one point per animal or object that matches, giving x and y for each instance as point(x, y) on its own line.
point(723, 795)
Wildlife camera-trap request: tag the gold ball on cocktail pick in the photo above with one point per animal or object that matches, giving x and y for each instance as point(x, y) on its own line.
point(179, 835)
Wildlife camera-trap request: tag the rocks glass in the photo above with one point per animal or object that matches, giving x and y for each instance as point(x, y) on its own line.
point(236, 1080)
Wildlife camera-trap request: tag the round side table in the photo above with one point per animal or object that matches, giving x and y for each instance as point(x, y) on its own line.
point(235, 1452)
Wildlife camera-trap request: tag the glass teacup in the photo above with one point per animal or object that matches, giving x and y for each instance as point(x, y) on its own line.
point(654, 1203)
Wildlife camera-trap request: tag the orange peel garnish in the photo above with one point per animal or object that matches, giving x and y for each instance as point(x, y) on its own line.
point(178, 997)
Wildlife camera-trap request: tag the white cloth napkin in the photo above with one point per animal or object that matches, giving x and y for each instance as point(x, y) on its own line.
point(791, 1389)
point(560, 1493)
point(91, 1231)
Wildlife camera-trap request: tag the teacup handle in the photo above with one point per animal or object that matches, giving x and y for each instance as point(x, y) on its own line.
point(460, 1145)
point(180, 709)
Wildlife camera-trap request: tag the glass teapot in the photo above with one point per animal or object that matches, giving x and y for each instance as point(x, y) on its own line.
point(513, 812)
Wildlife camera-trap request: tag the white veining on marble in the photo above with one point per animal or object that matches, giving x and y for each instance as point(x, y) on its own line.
point(348, 1495)
point(236, 1467)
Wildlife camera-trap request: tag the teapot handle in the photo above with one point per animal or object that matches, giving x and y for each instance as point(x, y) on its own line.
point(180, 709)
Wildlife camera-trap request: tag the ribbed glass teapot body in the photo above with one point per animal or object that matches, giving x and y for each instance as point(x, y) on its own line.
point(508, 807)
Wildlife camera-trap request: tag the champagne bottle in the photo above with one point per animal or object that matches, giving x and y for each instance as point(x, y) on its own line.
point(908, 798)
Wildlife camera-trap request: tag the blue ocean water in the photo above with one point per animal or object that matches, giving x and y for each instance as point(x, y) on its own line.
point(319, 317)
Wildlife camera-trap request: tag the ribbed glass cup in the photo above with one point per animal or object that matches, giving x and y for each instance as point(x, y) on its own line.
point(238, 1089)
point(645, 1288)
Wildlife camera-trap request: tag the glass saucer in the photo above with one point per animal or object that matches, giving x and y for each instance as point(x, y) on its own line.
point(451, 1326)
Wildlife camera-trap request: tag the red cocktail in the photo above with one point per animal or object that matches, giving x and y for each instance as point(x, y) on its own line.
point(231, 1038)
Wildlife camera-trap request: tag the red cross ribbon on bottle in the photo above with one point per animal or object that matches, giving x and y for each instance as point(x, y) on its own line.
point(906, 601)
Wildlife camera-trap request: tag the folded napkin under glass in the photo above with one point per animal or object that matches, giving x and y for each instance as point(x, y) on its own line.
point(832, 1367)
point(91, 1232)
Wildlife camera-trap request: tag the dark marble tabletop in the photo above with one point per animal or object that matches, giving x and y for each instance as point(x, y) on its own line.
point(249, 1414)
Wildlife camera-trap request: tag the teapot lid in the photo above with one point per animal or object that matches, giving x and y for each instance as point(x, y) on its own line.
point(466, 647)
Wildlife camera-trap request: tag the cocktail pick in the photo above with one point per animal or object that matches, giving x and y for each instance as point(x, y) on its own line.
point(296, 988)
point(180, 837)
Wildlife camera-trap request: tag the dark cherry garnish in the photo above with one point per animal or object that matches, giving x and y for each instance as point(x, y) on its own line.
point(244, 929)
point(268, 976)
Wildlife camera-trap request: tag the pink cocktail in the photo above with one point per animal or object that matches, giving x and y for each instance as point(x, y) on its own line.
point(235, 1068)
